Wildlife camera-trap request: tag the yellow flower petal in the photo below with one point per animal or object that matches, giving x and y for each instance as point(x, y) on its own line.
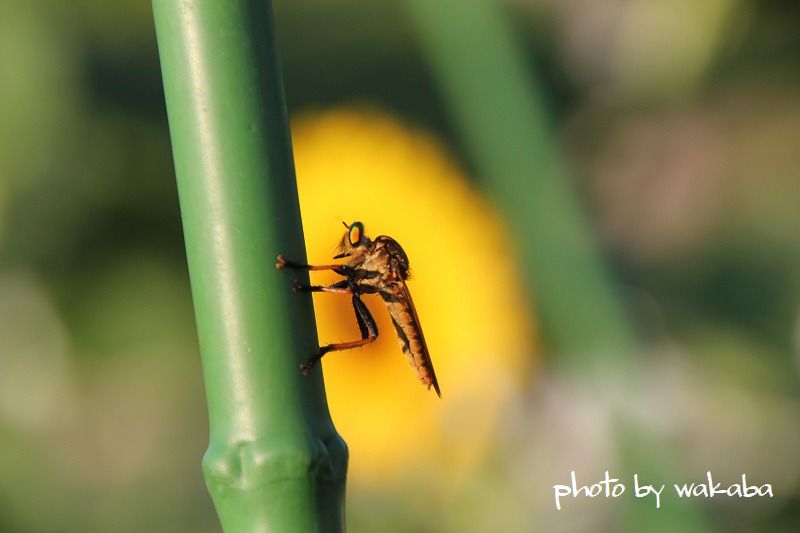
point(358, 165)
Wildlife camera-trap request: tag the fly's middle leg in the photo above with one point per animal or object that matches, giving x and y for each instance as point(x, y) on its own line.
point(341, 287)
point(367, 326)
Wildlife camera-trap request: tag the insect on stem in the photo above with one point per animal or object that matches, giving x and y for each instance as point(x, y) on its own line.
point(379, 267)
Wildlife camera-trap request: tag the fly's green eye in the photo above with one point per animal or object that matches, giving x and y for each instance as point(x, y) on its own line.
point(356, 233)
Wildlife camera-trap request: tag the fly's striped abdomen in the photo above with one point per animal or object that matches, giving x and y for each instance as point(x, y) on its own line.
point(412, 341)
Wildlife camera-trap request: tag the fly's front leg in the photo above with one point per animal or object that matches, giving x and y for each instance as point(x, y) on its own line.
point(369, 332)
point(285, 263)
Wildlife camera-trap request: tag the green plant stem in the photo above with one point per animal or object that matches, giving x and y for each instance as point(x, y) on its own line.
point(274, 461)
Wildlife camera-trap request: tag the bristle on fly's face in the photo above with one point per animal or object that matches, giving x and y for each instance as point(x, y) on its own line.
point(343, 245)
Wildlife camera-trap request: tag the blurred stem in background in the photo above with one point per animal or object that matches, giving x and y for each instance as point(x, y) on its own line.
point(501, 115)
point(500, 112)
point(274, 462)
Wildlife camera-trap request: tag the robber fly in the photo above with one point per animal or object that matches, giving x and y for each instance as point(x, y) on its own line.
point(380, 267)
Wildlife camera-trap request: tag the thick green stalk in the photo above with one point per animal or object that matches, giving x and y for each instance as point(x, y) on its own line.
point(500, 113)
point(274, 461)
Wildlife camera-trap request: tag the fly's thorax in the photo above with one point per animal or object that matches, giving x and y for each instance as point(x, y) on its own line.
point(375, 262)
point(395, 256)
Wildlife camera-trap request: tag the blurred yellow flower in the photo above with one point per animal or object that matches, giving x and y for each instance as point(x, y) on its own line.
point(357, 164)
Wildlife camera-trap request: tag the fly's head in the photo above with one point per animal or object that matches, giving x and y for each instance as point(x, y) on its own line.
point(354, 244)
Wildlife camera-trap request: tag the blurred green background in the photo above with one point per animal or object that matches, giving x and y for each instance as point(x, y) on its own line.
point(676, 124)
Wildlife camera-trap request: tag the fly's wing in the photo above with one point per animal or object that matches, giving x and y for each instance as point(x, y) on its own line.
point(412, 341)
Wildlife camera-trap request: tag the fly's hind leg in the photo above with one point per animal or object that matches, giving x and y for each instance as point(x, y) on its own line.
point(369, 332)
